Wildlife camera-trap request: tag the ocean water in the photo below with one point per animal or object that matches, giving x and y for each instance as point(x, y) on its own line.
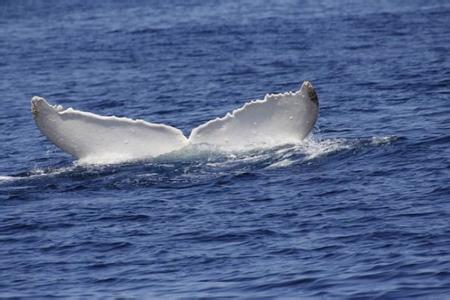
point(360, 210)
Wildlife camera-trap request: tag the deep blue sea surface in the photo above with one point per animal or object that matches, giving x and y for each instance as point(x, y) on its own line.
point(360, 211)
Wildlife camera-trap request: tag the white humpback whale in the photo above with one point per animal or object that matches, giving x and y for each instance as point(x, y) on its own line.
point(276, 120)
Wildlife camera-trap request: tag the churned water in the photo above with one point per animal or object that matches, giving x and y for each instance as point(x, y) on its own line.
point(360, 210)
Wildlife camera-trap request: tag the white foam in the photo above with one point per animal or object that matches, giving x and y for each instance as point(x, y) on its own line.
point(276, 120)
point(308, 149)
point(314, 148)
point(376, 140)
point(39, 172)
point(7, 178)
point(281, 164)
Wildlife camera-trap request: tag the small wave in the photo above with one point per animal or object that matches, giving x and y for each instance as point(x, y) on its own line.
point(7, 178)
point(316, 147)
point(37, 173)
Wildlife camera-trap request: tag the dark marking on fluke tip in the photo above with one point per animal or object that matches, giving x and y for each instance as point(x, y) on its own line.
point(312, 92)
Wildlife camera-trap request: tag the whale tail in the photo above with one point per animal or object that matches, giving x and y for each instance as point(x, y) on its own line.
point(275, 120)
point(84, 134)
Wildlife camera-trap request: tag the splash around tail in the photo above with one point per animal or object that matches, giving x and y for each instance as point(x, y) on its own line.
point(278, 119)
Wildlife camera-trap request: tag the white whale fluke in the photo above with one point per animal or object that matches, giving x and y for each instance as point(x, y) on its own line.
point(276, 120)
